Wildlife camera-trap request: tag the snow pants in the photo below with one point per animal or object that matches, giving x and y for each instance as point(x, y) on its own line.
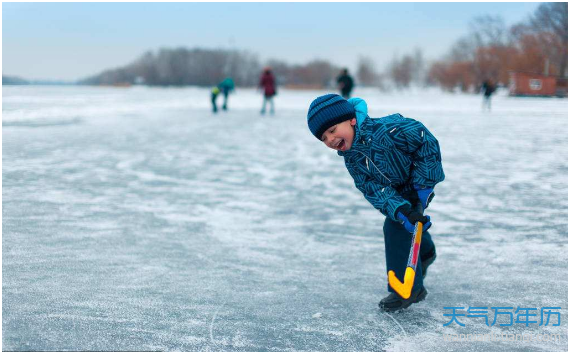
point(397, 249)
point(270, 100)
point(213, 100)
point(487, 103)
point(214, 96)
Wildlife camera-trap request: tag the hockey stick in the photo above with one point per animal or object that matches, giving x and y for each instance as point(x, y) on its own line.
point(404, 288)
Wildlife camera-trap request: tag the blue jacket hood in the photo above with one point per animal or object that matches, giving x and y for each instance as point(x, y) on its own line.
point(360, 107)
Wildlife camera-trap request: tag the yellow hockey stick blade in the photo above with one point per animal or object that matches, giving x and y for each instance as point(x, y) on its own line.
point(404, 289)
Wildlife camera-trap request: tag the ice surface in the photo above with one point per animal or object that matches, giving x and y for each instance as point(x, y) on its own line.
point(135, 219)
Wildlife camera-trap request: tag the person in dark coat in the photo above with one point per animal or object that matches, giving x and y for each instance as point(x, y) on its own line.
point(268, 85)
point(488, 87)
point(345, 83)
point(396, 163)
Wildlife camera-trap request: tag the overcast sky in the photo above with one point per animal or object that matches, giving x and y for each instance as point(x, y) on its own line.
point(69, 41)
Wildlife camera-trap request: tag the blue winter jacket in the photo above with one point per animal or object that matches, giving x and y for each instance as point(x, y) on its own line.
point(388, 156)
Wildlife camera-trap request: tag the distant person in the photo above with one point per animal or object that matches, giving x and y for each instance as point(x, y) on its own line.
point(488, 87)
point(345, 83)
point(224, 87)
point(268, 84)
point(396, 163)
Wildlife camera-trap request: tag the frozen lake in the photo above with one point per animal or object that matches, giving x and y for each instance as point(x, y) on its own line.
point(135, 219)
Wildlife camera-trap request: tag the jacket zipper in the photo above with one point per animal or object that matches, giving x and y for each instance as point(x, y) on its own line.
point(367, 162)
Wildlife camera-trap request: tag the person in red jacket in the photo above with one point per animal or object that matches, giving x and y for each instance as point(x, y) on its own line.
point(268, 84)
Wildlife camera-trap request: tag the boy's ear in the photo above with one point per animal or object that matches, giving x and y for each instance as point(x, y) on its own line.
point(353, 121)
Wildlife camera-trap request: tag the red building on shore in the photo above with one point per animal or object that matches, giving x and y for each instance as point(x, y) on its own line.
point(532, 84)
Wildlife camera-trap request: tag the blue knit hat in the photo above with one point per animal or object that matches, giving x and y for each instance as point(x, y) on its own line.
point(326, 111)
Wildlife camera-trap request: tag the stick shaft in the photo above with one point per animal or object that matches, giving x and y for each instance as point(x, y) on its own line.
point(404, 289)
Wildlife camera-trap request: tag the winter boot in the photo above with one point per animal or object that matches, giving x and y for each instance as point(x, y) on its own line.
point(394, 302)
point(426, 262)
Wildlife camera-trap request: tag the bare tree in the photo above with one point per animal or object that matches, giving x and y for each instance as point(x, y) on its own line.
point(464, 49)
point(243, 67)
point(401, 71)
point(553, 17)
point(418, 67)
point(550, 22)
point(488, 31)
point(452, 75)
point(320, 72)
point(366, 72)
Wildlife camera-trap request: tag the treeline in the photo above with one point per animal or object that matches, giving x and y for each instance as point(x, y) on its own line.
point(207, 67)
point(538, 45)
point(14, 80)
point(181, 66)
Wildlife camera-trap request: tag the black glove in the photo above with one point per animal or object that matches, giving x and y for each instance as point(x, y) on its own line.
point(411, 196)
point(410, 217)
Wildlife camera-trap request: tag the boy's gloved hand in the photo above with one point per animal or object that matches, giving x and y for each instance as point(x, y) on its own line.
point(425, 194)
point(409, 218)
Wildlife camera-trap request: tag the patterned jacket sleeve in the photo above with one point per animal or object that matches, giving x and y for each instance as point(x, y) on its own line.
point(415, 139)
point(384, 198)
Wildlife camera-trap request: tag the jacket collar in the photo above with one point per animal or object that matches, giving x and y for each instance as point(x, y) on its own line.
point(363, 127)
point(362, 137)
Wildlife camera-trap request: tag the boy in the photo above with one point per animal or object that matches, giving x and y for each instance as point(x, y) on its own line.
point(224, 87)
point(396, 163)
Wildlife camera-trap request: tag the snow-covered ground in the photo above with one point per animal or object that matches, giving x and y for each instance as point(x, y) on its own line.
point(135, 219)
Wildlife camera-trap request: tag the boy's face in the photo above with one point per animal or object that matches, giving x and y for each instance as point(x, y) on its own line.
point(340, 136)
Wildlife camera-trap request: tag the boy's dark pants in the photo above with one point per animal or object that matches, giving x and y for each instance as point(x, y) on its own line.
point(397, 249)
point(213, 99)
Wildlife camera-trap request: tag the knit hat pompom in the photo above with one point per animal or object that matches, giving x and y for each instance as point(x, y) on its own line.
point(326, 111)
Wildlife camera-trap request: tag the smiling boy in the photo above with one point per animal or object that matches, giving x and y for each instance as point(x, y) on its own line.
point(396, 163)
